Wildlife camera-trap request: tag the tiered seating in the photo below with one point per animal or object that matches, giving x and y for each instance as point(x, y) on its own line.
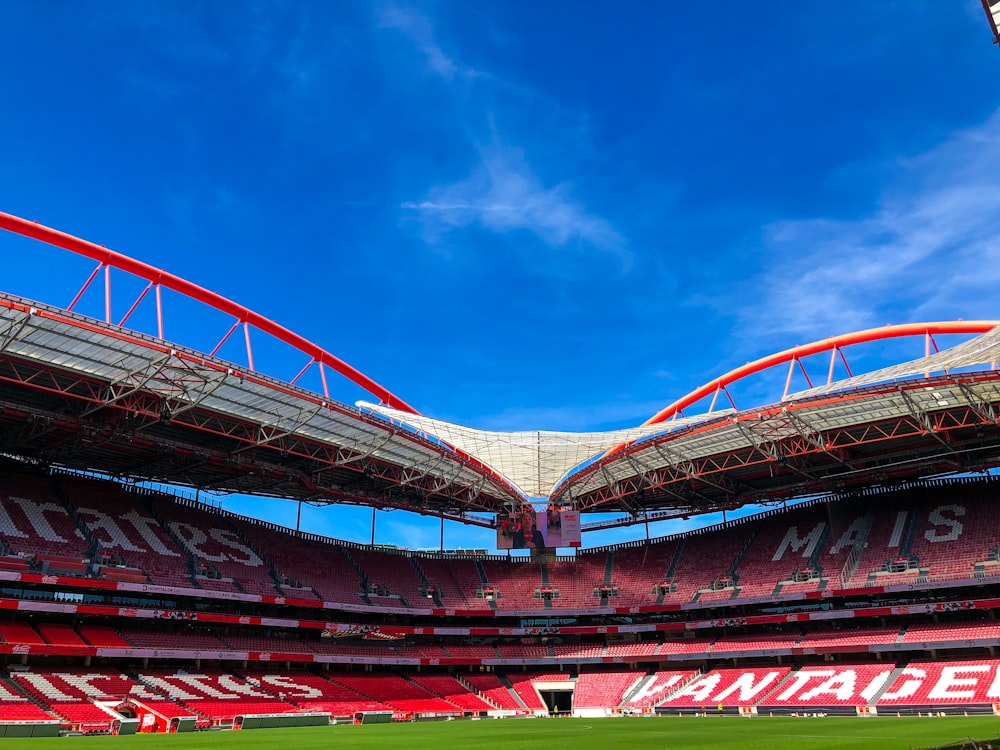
point(952, 530)
point(799, 587)
point(397, 692)
point(58, 634)
point(193, 640)
point(334, 647)
point(719, 595)
point(215, 695)
point(127, 532)
point(731, 643)
point(847, 523)
point(421, 651)
point(320, 565)
point(516, 582)
point(298, 592)
point(943, 683)
point(706, 558)
point(930, 633)
point(729, 687)
point(456, 581)
point(522, 683)
point(576, 581)
point(392, 573)
point(625, 649)
point(21, 711)
point(831, 685)
point(886, 530)
point(313, 693)
point(84, 715)
point(20, 632)
point(784, 542)
point(471, 652)
point(578, 650)
point(524, 651)
point(639, 569)
point(604, 689)
point(70, 695)
point(490, 686)
point(102, 636)
point(15, 562)
point(219, 584)
point(16, 707)
point(34, 521)
point(855, 638)
point(451, 690)
point(213, 544)
point(659, 686)
point(549, 676)
point(954, 534)
point(678, 646)
point(268, 644)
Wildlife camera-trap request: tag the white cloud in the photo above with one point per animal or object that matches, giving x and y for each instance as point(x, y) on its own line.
point(419, 29)
point(928, 251)
point(503, 195)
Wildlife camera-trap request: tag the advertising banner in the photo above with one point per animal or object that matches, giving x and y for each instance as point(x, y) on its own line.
point(536, 528)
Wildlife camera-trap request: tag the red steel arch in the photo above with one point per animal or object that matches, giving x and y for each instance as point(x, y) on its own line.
point(157, 278)
point(834, 344)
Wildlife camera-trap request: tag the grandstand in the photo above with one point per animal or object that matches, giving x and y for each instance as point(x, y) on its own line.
point(867, 581)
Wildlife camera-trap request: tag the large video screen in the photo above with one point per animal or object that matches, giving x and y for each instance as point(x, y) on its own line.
point(536, 528)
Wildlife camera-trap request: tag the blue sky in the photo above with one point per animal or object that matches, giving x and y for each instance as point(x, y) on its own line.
point(552, 215)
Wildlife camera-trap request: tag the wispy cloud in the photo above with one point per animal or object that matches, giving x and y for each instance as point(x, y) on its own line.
point(928, 251)
point(504, 195)
point(503, 191)
point(420, 31)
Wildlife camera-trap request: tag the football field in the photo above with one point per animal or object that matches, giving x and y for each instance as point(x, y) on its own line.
point(667, 733)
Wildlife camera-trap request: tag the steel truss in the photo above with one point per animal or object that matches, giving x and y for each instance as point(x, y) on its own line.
point(784, 451)
point(152, 420)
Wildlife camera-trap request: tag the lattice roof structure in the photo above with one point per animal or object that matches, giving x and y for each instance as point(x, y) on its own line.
point(534, 460)
point(96, 395)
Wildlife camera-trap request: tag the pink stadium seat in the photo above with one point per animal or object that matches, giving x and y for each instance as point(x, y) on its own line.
point(127, 532)
point(396, 691)
point(20, 632)
point(944, 683)
point(831, 685)
point(456, 581)
point(34, 521)
point(658, 686)
point(492, 689)
point(447, 687)
point(784, 542)
point(604, 689)
point(103, 636)
point(216, 547)
point(639, 568)
point(314, 693)
point(727, 687)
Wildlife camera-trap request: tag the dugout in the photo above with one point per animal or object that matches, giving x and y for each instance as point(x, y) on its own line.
point(373, 717)
point(30, 728)
point(280, 721)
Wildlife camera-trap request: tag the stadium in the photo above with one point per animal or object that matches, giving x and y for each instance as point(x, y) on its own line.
point(133, 607)
point(855, 573)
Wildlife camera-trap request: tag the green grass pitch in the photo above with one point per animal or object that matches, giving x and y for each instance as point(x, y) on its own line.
point(663, 733)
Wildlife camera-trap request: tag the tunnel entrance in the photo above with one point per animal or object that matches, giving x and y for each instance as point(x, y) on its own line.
point(558, 701)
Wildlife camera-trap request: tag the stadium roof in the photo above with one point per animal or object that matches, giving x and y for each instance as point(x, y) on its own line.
point(95, 395)
point(92, 396)
point(534, 460)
